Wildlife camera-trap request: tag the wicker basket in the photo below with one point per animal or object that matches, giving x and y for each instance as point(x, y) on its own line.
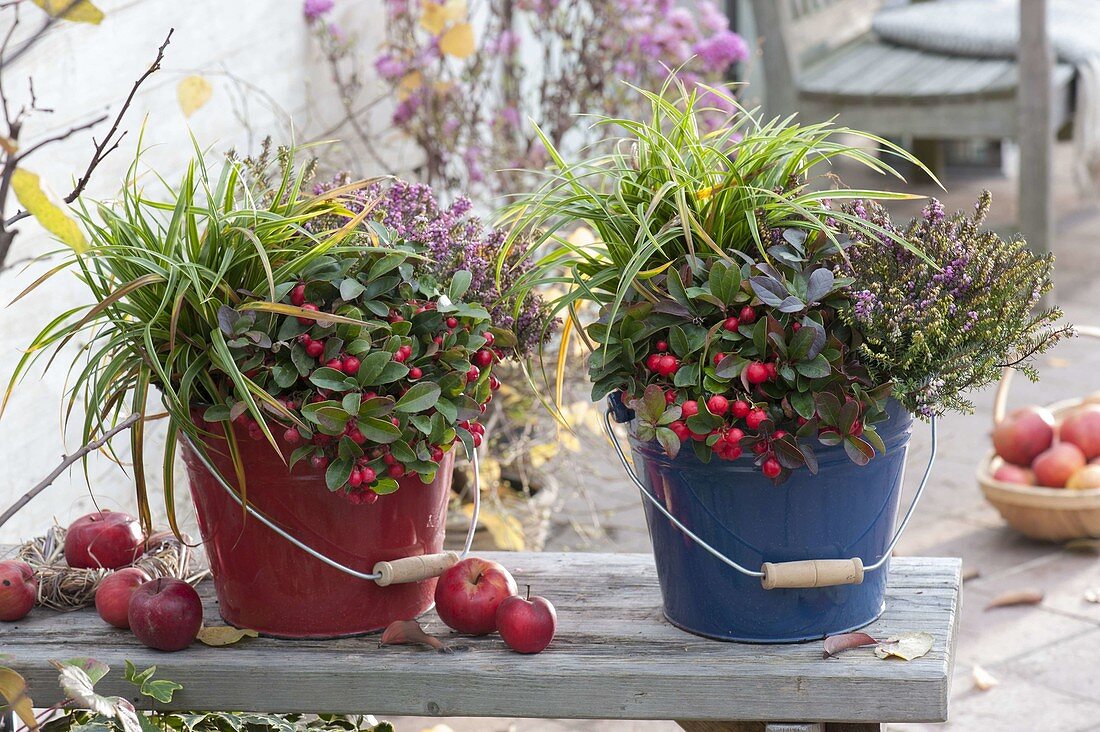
point(1050, 514)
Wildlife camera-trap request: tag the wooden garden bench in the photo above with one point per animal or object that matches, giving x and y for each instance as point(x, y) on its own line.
point(614, 657)
point(820, 60)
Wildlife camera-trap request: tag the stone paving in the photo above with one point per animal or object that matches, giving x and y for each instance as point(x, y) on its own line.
point(1046, 658)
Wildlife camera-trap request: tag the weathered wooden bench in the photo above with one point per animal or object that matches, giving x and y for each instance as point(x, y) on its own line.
point(614, 657)
point(820, 60)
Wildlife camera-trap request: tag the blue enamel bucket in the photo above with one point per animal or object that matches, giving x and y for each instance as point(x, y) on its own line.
point(722, 534)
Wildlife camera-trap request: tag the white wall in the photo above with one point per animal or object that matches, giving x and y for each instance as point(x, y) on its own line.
point(81, 70)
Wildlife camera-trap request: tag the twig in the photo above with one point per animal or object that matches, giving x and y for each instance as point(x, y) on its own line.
point(65, 463)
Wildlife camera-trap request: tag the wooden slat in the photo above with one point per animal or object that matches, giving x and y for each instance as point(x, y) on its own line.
point(614, 657)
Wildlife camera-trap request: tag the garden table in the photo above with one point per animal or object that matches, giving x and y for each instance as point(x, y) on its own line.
point(615, 656)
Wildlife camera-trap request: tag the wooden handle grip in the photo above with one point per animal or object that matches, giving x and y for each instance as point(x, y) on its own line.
point(812, 573)
point(414, 569)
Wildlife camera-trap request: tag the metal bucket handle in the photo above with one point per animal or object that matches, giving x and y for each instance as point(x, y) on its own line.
point(797, 574)
point(396, 571)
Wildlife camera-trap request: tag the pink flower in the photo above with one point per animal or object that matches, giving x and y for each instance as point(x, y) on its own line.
point(721, 50)
point(389, 67)
point(314, 9)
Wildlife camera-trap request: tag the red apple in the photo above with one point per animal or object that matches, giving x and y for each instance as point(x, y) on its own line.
point(112, 597)
point(1009, 473)
point(1082, 428)
point(108, 539)
point(165, 614)
point(468, 594)
point(1056, 464)
point(527, 625)
point(18, 589)
point(1023, 434)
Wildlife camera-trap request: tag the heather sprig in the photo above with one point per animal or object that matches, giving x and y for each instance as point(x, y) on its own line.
point(450, 239)
point(945, 324)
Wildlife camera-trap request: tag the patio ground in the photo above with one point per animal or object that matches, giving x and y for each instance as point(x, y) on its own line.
point(1044, 656)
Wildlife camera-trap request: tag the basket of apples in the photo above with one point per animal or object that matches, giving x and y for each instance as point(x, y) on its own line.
point(1043, 475)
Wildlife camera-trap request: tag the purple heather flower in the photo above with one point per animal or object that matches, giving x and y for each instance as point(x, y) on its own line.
point(722, 50)
point(314, 9)
point(389, 67)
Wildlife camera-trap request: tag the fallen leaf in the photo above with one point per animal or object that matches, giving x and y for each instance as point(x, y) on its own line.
point(401, 632)
point(905, 646)
point(458, 41)
point(836, 644)
point(1016, 597)
point(54, 219)
point(983, 680)
point(193, 92)
point(79, 12)
point(13, 688)
point(506, 529)
point(409, 83)
point(223, 635)
point(1084, 546)
point(1092, 595)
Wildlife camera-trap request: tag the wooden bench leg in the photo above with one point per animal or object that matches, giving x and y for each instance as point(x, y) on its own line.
point(689, 726)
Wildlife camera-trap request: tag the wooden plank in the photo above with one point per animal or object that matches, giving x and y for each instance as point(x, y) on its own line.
point(614, 657)
point(1034, 100)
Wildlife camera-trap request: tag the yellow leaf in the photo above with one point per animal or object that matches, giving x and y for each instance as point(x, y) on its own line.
point(9, 145)
point(542, 453)
point(223, 635)
point(506, 530)
point(193, 92)
point(13, 688)
point(436, 15)
point(81, 11)
point(28, 189)
point(458, 41)
point(408, 84)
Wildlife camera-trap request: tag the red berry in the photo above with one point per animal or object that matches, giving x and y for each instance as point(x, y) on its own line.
point(680, 429)
point(734, 436)
point(740, 408)
point(452, 323)
point(401, 355)
point(490, 339)
point(756, 373)
point(718, 358)
point(494, 383)
point(315, 348)
point(796, 326)
point(689, 408)
point(755, 417)
point(304, 339)
point(438, 340)
point(356, 436)
point(779, 434)
point(718, 404)
point(670, 396)
point(351, 365)
point(760, 447)
point(415, 373)
point(395, 421)
point(437, 454)
point(668, 365)
point(477, 439)
point(308, 321)
point(771, 468)
point(396, 471)
point(319, 461)
point(335, 363)
point(292, 436)
point(747, 315)
point(731, 452)
point(473, 374)
point(298, 294)
point(773, 372)
point(653, 363)
point(732, 323)
point(389, 459)
point(662, 346)
point(254, 431)
point(368, 475)
point(483, 358)
point(355, 478)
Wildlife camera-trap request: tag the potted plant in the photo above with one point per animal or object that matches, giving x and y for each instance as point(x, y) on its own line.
point(767, 347)
point(317, 367)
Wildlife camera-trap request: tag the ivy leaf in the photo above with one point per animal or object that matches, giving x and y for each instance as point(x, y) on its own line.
point(421, 396)
point(28, 190)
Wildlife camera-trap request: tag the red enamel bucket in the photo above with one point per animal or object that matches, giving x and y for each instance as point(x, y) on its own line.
point(273, 585)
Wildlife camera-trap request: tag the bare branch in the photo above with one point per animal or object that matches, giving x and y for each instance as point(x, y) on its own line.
point(15, 159)
point(67, 461)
